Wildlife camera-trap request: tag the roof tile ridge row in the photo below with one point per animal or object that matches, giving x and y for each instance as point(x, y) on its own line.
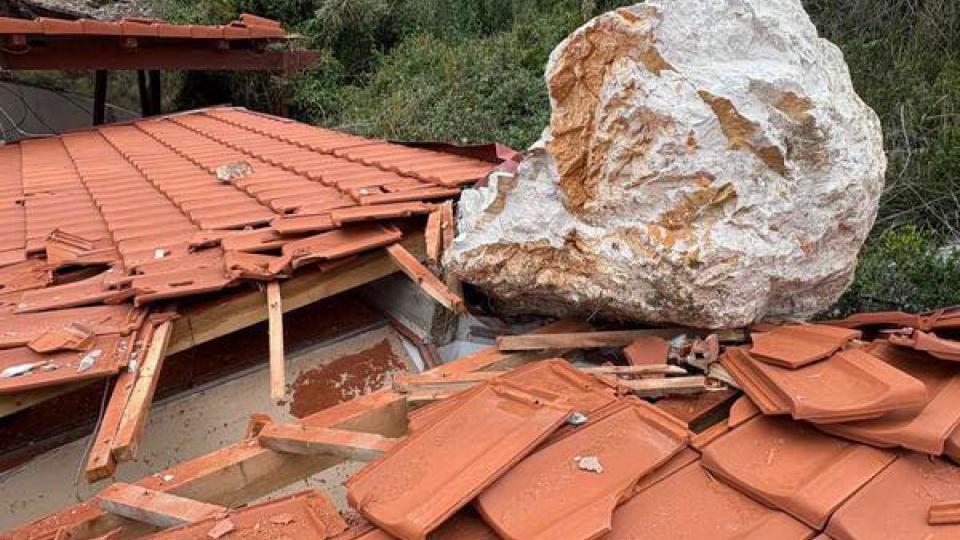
point(288, 168)
point(306, 145)
point(148, 179)
point(199, 167)
point(80, 181)
point(290, 140)
point(190, 158)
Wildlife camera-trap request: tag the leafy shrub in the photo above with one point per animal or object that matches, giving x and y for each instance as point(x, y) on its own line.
point(903, 269)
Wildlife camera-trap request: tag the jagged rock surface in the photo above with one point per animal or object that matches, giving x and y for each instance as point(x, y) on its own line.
point(707, 163)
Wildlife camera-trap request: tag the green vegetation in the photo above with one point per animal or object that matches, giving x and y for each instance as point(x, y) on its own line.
point(471, 70)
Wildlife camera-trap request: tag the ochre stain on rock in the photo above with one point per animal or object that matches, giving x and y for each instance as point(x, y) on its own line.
point(575, 85)
point(344, 379)
point(742, 133)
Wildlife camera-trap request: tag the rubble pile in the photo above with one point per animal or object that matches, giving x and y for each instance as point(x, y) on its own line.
point(708, 179)
point(834, 436)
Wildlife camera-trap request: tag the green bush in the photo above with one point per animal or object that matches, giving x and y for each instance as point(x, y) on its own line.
point(903, 269)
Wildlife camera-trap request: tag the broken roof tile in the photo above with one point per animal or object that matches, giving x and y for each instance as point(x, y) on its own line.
point(647, 350)
point(944, 349)
point(551, 495)
point(691, 505)
point(797, 345)
point(72, 337)
point(794, 467)
point(850, 385)
point(896, 504)
point(23, 369)
point(925, 430)
point(339, 243)
point(22, 328)
point(308, 514)
point(437, 470)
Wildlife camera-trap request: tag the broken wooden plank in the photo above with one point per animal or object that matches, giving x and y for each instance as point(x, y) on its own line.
point(278, 382)
point(582, 340)
point(671, 385)
point(352, 445)
point(425, 279)
point(137, 408)
point(101, 463)
point(154, 507)
point(944, 513)
point(431, 383)
point(433, 236)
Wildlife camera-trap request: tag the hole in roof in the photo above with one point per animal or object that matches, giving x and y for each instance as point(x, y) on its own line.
point(71, 273)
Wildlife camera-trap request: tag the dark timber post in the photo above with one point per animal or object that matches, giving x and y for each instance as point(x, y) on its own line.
point(156, 91)
point(144, 93)
point(99, 97)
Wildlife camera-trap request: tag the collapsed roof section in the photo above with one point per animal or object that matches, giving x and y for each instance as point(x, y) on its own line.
point(107, 228)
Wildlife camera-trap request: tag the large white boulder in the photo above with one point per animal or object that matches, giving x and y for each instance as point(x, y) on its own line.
point(707, 163)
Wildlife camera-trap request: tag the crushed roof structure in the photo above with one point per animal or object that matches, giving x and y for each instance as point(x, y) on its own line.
point(108, 229)
point(553, 449)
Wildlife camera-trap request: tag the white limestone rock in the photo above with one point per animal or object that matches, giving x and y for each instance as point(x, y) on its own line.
point(707, 163)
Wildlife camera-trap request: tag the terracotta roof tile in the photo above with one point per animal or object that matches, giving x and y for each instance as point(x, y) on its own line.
point(925, 430)
point(895, 505)
point(692, 505)
point(798, 345)
point(435, 471)
point(850, 385)
point(105, 355)
point(247, 27)
point(944, 349)
point(549, 495)
point(793, 467)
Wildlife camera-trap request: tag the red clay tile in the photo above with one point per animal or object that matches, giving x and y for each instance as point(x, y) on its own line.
point(187, 281)
point(880, 318)
point(850, 385)
point(896, 504)
point(555, 380)
point(794, 467)
point(944, 349)
point(549, 494)
point(692, 505)
point(795, 346)
point(80, 293)
point(104, 358)
point(434, 472)
point(924, 431)
point(306, 515)
point(73, 337)
point(741, 411)
point(647, 350)
point(22, 328)
point(339, 243)
point(247, 27)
